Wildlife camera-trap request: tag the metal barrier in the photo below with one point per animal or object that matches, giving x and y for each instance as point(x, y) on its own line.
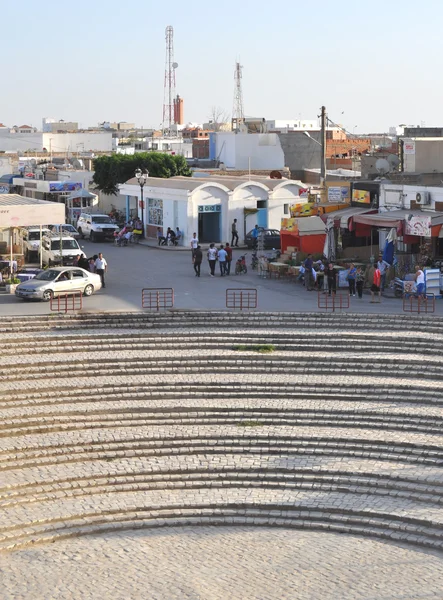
point(157, 298)
point(337, 301)
point(419, 304)
point(241, 298)
point(64, 303)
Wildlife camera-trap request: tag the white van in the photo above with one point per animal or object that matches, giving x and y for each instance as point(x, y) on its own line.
point(31, 242)
point(50, 249)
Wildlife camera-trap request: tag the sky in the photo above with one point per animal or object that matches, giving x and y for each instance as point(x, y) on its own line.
point(372, 64)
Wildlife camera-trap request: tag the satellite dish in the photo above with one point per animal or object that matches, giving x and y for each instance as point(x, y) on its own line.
point(174, 65)
point(393, 161)
point(382, 166)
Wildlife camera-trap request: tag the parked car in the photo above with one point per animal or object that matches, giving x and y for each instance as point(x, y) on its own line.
point(59, 280)
point(50, 249)
point(31, 242)
point(66, 228)
point(96, 227)
point(271, 239)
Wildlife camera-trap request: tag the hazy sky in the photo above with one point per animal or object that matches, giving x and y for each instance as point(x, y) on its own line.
point(378, 62)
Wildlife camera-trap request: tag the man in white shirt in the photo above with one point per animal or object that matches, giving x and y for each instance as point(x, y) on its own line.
point(194, 244)
point(101, 266)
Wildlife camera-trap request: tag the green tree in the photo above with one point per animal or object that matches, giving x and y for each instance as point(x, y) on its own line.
point(110, 171)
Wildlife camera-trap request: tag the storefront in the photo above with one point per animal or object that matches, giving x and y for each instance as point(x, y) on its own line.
point(305, 234)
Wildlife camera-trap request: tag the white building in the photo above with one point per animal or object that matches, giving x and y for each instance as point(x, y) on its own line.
point(15, 142)
point(241, 151)
point(285, 125)
point(209, 206)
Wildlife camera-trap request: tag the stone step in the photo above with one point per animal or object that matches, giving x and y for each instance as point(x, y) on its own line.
point(75, 421)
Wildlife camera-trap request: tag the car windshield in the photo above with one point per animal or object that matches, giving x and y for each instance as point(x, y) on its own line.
point(69, 228)
point(48, 275)
point(33, 235)
point(67, 245)
point(102, 220)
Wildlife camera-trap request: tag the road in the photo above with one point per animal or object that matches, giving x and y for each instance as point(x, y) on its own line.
point(136, 267)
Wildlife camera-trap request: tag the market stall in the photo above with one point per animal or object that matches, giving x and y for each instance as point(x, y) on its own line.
point(306, 234)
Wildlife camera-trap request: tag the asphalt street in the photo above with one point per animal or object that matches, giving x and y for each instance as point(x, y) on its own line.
point(133, 268)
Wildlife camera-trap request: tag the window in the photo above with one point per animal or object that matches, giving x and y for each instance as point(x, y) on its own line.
point(286, 209)
point(155, 212)
point(78, 275)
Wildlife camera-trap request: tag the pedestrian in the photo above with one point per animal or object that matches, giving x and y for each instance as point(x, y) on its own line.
point(101, 266)
point(375, 287)
point(76, 259)
point(228, 258)
point(160, 237)
point(212, 258)
point(91, 265)
point(359, 281)
point(222, 260)
point(198, 257)
point(308, 264)
point(382, 267)
point(331, 277)
point(83, 263)
point(170, 237)
point(178, 236)
point(420, 281)
point(194, 244)
point(234, 234)
point(352, 274)
point(254, 234)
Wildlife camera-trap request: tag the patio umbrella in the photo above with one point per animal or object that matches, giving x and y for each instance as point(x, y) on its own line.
point(329, 247)
point(388, 252)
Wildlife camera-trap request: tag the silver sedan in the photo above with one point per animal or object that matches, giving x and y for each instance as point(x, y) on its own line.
point(59, 280)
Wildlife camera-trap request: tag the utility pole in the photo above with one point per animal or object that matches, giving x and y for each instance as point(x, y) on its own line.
point(323, 150)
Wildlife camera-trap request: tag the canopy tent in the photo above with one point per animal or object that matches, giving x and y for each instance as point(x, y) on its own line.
point(18, 211)
point(342, 217)
point(81, 194)
point(427, 223)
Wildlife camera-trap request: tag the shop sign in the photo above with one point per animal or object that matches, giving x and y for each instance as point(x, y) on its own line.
point(418, 225)
point(209, 208)
point(361, 196)
point(290, 225)
point(64, 186)
point(338, 193)
point(408, 147)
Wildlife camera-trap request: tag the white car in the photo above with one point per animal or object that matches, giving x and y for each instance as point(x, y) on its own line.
point(31, 242)
point(66, 228)
point(96, 227)
point(50, 249)
point(59, 280)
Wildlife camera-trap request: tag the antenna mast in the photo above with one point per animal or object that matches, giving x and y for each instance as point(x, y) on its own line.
point(238, 113)
point(169, 92)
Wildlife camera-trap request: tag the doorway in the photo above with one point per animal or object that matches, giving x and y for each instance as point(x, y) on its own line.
point(209, 227)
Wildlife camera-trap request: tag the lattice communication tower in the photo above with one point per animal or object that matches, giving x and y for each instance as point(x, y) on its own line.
point(238, 113)
point(169, 93)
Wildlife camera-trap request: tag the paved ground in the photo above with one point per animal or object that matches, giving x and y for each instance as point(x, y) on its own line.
point(212, 563)
point(135, 267)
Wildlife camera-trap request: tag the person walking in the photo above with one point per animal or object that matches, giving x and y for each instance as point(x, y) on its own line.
point(212, 258)
point(101, 266)
point(359, 281)
point(331, 278)
point(222, 260)
point(382, 267)
point(308, 264)
point(420, 281)
point(351, 279)
point(234, 231)
point(198, 257)
point(254, 234)
point(91, 265)
point(375, 287)
point(228, 258)
point(194, 244)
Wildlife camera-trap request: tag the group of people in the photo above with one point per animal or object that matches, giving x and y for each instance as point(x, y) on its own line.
point(172, 238)
point(95, 264)
point(317, 274)
point(222, 255)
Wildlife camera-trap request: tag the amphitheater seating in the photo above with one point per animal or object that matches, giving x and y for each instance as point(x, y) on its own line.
point(109, 424)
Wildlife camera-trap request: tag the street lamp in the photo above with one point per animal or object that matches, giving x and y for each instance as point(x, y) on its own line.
point(142, 176)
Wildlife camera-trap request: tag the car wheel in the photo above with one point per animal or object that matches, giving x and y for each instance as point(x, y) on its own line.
point(89, 290)
point(48, 295)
